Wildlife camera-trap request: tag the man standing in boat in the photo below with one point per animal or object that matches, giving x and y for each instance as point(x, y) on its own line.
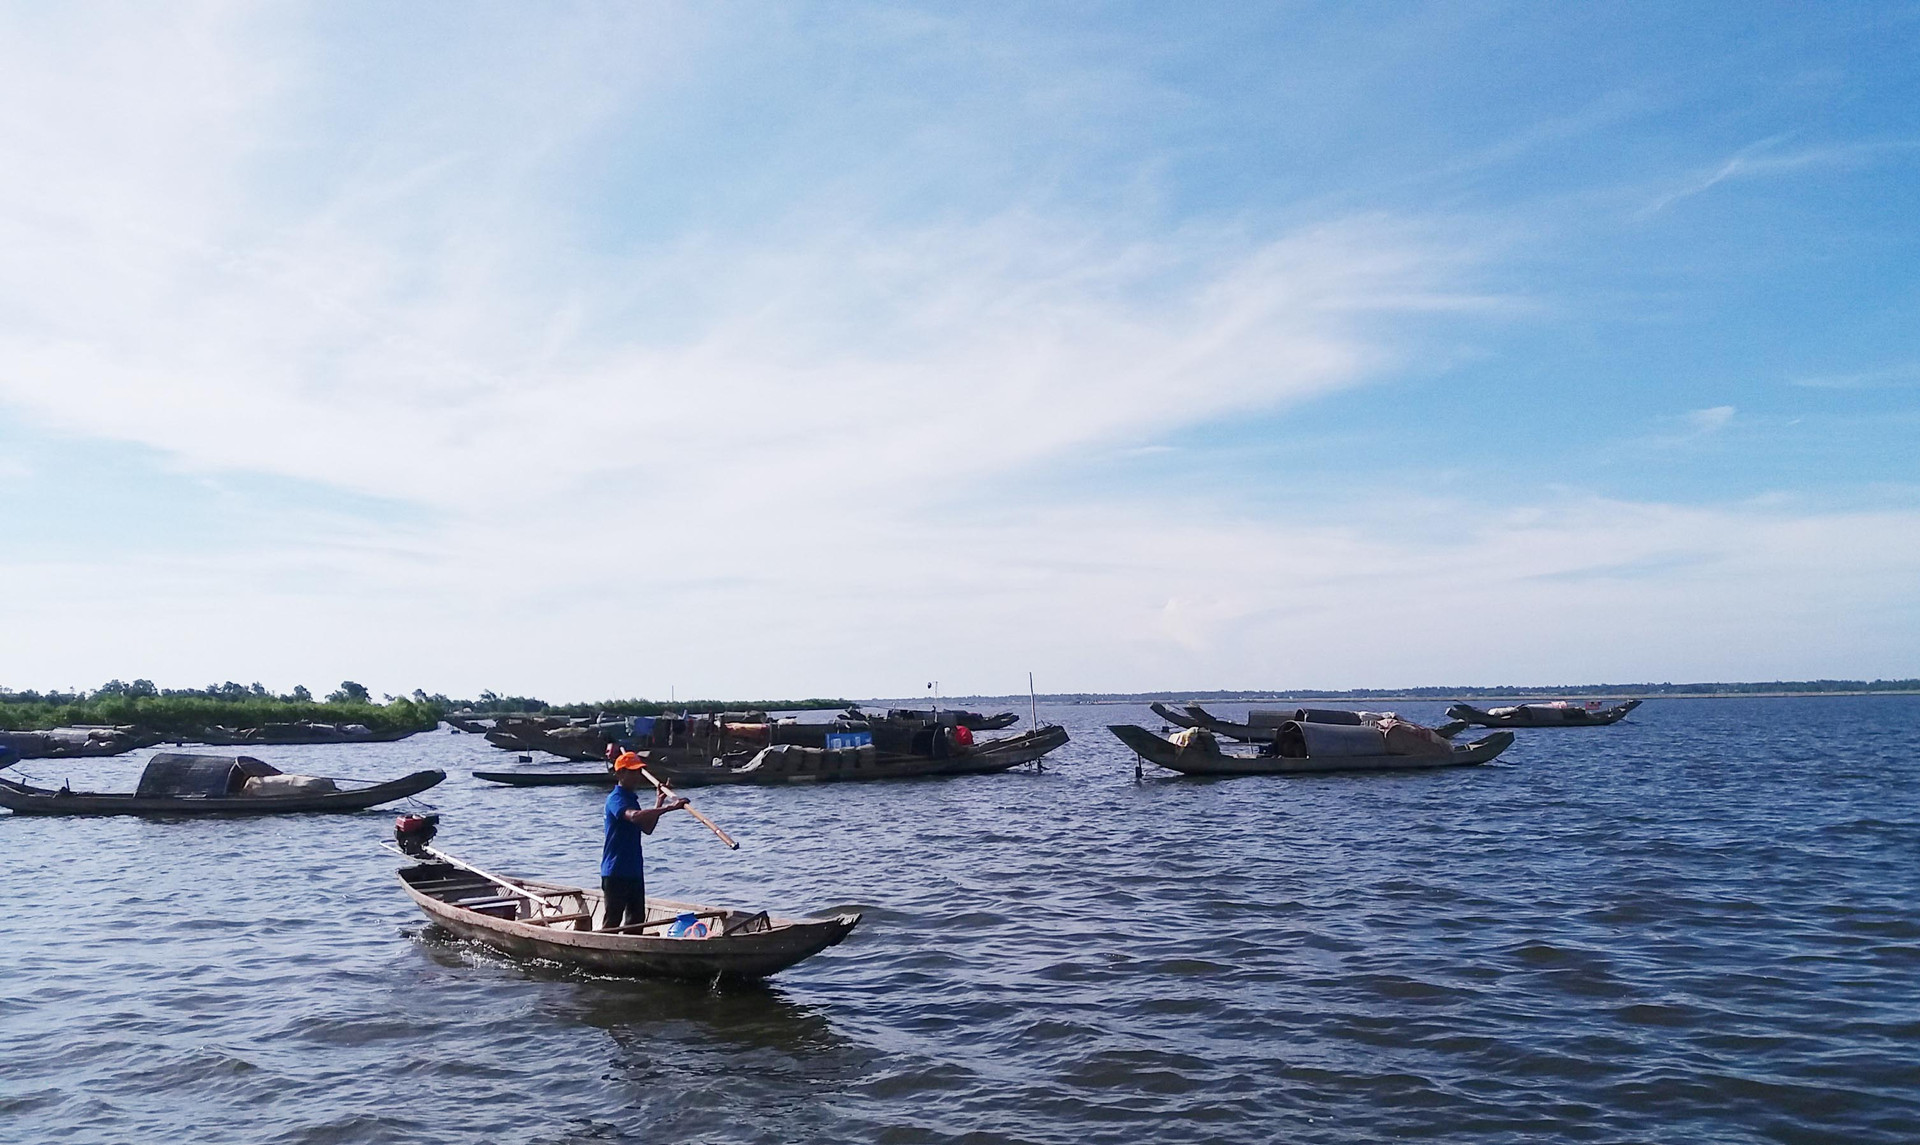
point(623, 873)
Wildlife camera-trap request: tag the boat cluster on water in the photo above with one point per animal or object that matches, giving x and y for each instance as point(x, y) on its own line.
point(755, 748)
point(558, 922)
point(1277, 741)
point(88, 741)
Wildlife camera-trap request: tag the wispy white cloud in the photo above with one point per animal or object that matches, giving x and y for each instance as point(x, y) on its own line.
point(1710, 420)
point(1901, 376)
point(415, 333)
point(1689, 428)
point(1758, 160)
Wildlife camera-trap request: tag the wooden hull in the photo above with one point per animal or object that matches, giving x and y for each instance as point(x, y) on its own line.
point(64, 743)
point(214, 737)
point(972, 721)
point(1174, 716)
point(679, 771)
point(740, 956)
point(580, 749)
point(1560, 717)
point(600, 778)
point(1198, 761)
point(25, 800)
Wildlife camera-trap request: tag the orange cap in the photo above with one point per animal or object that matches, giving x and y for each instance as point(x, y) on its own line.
point(628, 762)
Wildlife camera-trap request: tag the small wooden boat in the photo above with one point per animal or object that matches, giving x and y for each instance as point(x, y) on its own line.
point(536, 919)
point(1558, 714)
point(951, 717)
point(175, 784)
point(79, 741)
point(601, 777)
point(1174, 716)
point(1263, 724)
point(1202, 755)
point(300, 732)
point(787, 763)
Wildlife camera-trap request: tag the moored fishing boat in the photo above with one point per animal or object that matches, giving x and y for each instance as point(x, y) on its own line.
point(78, 741)
point(952, 717)
point(901, 730)
point(1263, 724)
point(175, 784)
point(297, 732)
point(791, 764)
point(1558, 714)
point(695, 766)
point(1305, 747)
point(534, 918)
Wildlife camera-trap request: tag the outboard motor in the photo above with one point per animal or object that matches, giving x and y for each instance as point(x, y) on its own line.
point(412, 833)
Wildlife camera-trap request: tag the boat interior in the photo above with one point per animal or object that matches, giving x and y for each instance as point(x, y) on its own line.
point(576, 908)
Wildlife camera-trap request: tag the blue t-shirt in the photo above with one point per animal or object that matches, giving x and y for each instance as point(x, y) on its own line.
point(620, 856)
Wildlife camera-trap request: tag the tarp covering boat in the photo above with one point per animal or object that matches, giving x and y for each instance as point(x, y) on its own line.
point(1557, 713)
point(1304, 739)
point(1318, 716)
point(181, 775)
point(1405, 737)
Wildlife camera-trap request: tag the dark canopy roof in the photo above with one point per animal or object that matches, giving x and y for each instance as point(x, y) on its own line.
point(177, 774)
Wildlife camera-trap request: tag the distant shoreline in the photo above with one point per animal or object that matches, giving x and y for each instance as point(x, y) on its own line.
point(1433, 696)
point(1472, 696)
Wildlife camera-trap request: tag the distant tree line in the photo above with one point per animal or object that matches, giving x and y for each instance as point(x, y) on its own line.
point(185, 710)
point(490, 703)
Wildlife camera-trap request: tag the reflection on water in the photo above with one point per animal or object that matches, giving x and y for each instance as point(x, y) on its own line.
point(1702, 924)
point(751, 1014)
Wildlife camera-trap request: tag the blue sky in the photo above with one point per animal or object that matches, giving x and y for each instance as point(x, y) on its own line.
point(771, 349)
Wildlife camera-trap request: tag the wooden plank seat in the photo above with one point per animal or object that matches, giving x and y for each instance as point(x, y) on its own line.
point(756, 923)
point(636, 927)
point(487, 901)
point(442, 890)
point(552, 919)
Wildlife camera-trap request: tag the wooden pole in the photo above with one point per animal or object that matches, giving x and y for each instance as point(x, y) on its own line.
point(516, 888)
point(710, 824)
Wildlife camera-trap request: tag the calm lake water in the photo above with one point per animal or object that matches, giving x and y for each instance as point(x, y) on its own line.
point(1702, 925)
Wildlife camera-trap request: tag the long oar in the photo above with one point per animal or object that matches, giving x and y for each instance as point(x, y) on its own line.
point(669, 793)
point(497, 880)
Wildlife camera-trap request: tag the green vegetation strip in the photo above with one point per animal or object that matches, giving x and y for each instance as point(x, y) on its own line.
point(231, 705)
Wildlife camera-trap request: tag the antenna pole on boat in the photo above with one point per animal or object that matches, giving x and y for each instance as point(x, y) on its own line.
point(1033, 720)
